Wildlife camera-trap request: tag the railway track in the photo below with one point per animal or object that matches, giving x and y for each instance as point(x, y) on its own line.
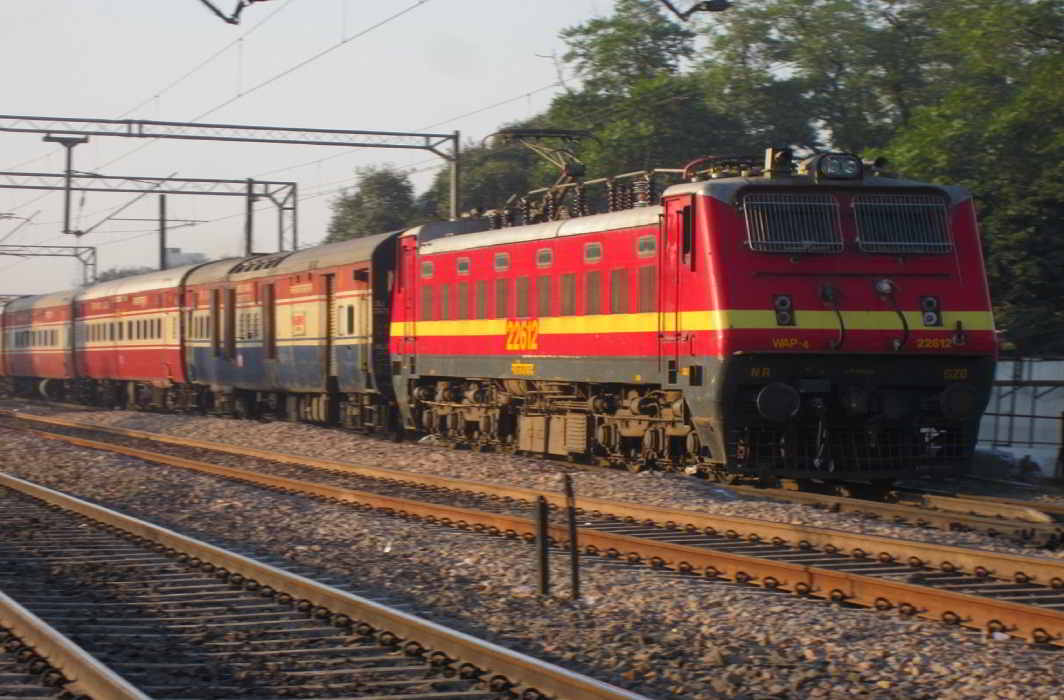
point(111, 607)
point(1034, 522)
point(995, 592)
point(1024, 521)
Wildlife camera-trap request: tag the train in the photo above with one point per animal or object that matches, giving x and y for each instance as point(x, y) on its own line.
point(815, 320)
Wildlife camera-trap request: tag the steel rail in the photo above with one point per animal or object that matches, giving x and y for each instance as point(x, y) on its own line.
point(527, 672)
point(86, 674)
point(941, 556)
point(1030, 523)
point(1039, 624)
point(1037, 531)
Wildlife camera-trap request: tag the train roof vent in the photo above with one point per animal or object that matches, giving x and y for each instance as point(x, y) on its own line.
point(899, 224)
point(781, 222)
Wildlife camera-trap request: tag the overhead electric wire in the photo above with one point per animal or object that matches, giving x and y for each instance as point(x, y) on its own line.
point(205, 62)
point(350, 151)
point(170, 86)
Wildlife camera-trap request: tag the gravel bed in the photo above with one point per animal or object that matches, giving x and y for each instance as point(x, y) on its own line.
point(659, 635)
point(648, 488)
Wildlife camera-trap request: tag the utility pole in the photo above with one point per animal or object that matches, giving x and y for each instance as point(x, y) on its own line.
point(162, 232)
point(68, 142)
point(249, 218)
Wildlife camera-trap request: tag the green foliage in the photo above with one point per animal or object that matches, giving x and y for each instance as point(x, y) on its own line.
point(998, 129)
point(381, 201)
point(636, 43)
point(115, 273)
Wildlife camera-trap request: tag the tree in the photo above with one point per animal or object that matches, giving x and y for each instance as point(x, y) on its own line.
point(115, 273)
point(381, 201)
point(850, 69)
point(998, 129)
point(636, 43)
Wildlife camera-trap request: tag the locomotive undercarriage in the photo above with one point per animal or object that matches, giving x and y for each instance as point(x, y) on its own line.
point(636, 427)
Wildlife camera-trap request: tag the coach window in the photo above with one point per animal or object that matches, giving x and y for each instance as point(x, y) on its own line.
point(619, 291)
point(646, 246)
point(592, 252)
point(426, 302)
point(543, 296)
point(594, 292)
point(463, 300)
point(482, 299)
point(350, 319)
point(463, 266)
point(111, 332)
point(522, 297)
point(445, 302)
point(502, 298)
point(569, 294)
point(648, 288)
point(120, 324)
point(544, 257)
point(502, 264)
point(427, 268)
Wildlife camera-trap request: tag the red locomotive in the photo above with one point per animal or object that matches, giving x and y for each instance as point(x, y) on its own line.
point(820, 321)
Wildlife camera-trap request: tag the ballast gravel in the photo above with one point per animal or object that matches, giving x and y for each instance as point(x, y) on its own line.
point(648, 488)
point(661, 636)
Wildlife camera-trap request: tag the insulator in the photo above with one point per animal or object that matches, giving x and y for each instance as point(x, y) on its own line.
point(507, 217)
point(580, 201)
point(641, 191)
point(498, 218)
point(611, 196)
point(549, 209)
point(526, 211)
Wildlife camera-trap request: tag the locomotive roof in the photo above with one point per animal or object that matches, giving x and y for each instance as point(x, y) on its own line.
point(723, 189)
point(726, 189)
point(160, 279)
point(39, 301)
point(628, 218)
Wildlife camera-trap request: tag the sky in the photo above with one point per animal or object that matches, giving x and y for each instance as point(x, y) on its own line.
point(399, 65)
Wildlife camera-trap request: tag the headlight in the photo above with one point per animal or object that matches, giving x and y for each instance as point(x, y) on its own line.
point(838, 166)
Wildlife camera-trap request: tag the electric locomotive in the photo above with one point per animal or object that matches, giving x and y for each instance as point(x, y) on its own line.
point(820, 321)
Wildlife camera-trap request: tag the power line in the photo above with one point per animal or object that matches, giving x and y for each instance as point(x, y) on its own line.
point(507, 101)
point(205, 62)
point(278, 76)
point(170, 86)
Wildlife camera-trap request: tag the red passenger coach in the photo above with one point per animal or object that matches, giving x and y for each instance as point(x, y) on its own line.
point(129, 338)
point(37, 341)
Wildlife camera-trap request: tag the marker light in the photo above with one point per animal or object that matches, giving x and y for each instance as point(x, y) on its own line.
point(838, 166)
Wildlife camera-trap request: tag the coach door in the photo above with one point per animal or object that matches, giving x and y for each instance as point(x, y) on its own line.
point(408, 278)
point(676, 247)
point(331, 325)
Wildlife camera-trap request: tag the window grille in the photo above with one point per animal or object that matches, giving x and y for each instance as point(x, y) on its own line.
point(896, 224)
point(619, 291)
point(778, 222)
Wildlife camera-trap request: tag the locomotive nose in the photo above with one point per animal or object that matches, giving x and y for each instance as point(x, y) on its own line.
point(959, 401)
point(778, 402)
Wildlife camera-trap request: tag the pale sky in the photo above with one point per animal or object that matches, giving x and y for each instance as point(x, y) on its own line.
point(426, 70)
